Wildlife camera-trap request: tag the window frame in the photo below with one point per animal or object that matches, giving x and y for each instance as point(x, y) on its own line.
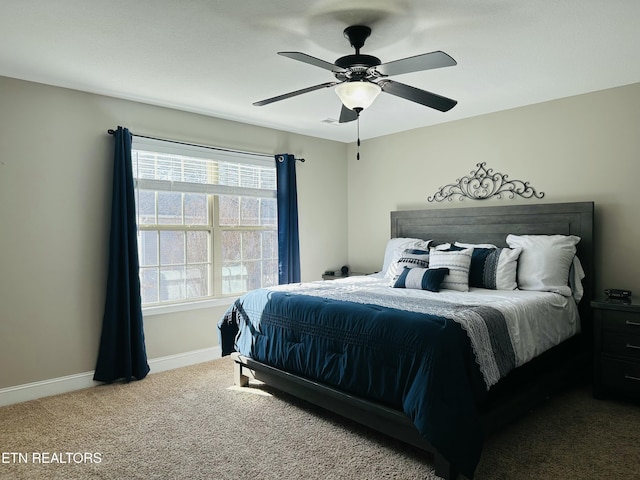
point(215, 231)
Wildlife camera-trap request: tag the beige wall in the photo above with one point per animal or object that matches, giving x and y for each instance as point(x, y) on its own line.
point(580, 148)
point(55, 177)
point(55, 180)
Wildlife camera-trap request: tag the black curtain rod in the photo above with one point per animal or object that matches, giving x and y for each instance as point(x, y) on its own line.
point(111, 132)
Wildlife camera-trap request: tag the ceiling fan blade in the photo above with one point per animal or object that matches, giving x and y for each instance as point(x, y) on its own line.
point(303, 57)
point(293, 94)
point(347, 115)
point(416, 95)
point(426, 61)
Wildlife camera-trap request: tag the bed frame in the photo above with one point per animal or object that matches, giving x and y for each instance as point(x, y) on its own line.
point(519, 391)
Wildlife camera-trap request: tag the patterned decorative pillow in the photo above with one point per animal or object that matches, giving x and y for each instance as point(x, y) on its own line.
point(495, 268)
point(412, 258)
point(458, 262)
point(491, 267)
point(421, 278)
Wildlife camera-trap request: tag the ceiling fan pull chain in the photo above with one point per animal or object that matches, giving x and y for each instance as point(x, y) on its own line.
point(358, 110)
point(358, 156)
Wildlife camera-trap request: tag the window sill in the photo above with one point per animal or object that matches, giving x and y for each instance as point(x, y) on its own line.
point(182, 307)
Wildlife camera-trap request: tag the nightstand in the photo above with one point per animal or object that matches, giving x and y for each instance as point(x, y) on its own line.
point(616, 348)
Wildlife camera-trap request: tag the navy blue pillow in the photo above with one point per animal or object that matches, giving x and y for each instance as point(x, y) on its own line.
point(421, 278)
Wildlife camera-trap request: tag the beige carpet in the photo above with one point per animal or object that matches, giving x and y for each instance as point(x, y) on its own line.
point(190, 424)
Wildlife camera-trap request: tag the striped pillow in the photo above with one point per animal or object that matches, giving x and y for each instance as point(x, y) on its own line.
point(421, 278)
point(491, 267)
point(458, 263)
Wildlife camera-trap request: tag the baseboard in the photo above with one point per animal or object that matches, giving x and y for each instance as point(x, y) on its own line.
point(78, 381)
point(170, 362)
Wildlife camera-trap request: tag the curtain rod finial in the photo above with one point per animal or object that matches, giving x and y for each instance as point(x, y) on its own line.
point(280, 158)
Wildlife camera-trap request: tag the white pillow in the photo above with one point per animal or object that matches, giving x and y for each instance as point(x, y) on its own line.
point(474, 245)
point(545, 261)
point(576, 274)
point(394, 249)
point(458, 262)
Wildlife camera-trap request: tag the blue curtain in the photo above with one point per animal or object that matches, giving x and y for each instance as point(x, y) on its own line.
point(288, 239)
point(122, 352)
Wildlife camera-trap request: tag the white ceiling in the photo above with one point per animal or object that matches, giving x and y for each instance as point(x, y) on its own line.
point(217, 57)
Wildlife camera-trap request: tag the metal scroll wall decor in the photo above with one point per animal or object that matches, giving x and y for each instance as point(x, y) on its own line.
point(483, 184)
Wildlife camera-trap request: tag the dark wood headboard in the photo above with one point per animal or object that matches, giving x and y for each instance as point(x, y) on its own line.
point(493, 224)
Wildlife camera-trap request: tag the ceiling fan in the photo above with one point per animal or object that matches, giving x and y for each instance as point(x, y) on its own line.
point(360, 78)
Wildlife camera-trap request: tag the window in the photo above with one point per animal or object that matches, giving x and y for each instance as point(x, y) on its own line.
point(207, 222)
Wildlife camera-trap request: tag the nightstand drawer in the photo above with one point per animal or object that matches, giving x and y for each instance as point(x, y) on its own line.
point(616, 348)
point(621, 375)
point(627, 322)
point(621, 344)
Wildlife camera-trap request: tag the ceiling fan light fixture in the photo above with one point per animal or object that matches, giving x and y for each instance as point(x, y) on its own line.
point(358, 94)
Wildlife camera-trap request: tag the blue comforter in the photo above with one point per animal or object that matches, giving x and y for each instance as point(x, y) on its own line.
point(419, 363)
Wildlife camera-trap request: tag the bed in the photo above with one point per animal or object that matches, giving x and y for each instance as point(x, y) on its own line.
point(427, 367)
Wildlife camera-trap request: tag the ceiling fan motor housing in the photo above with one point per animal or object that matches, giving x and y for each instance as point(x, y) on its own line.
point(358, 60)
point(357, 64)
point(357, 35)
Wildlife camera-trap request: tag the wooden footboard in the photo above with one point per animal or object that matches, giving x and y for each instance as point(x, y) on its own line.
point(375, 416)
point(502, 411)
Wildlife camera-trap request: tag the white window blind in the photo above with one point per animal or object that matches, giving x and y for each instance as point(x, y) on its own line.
point(166, 166)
